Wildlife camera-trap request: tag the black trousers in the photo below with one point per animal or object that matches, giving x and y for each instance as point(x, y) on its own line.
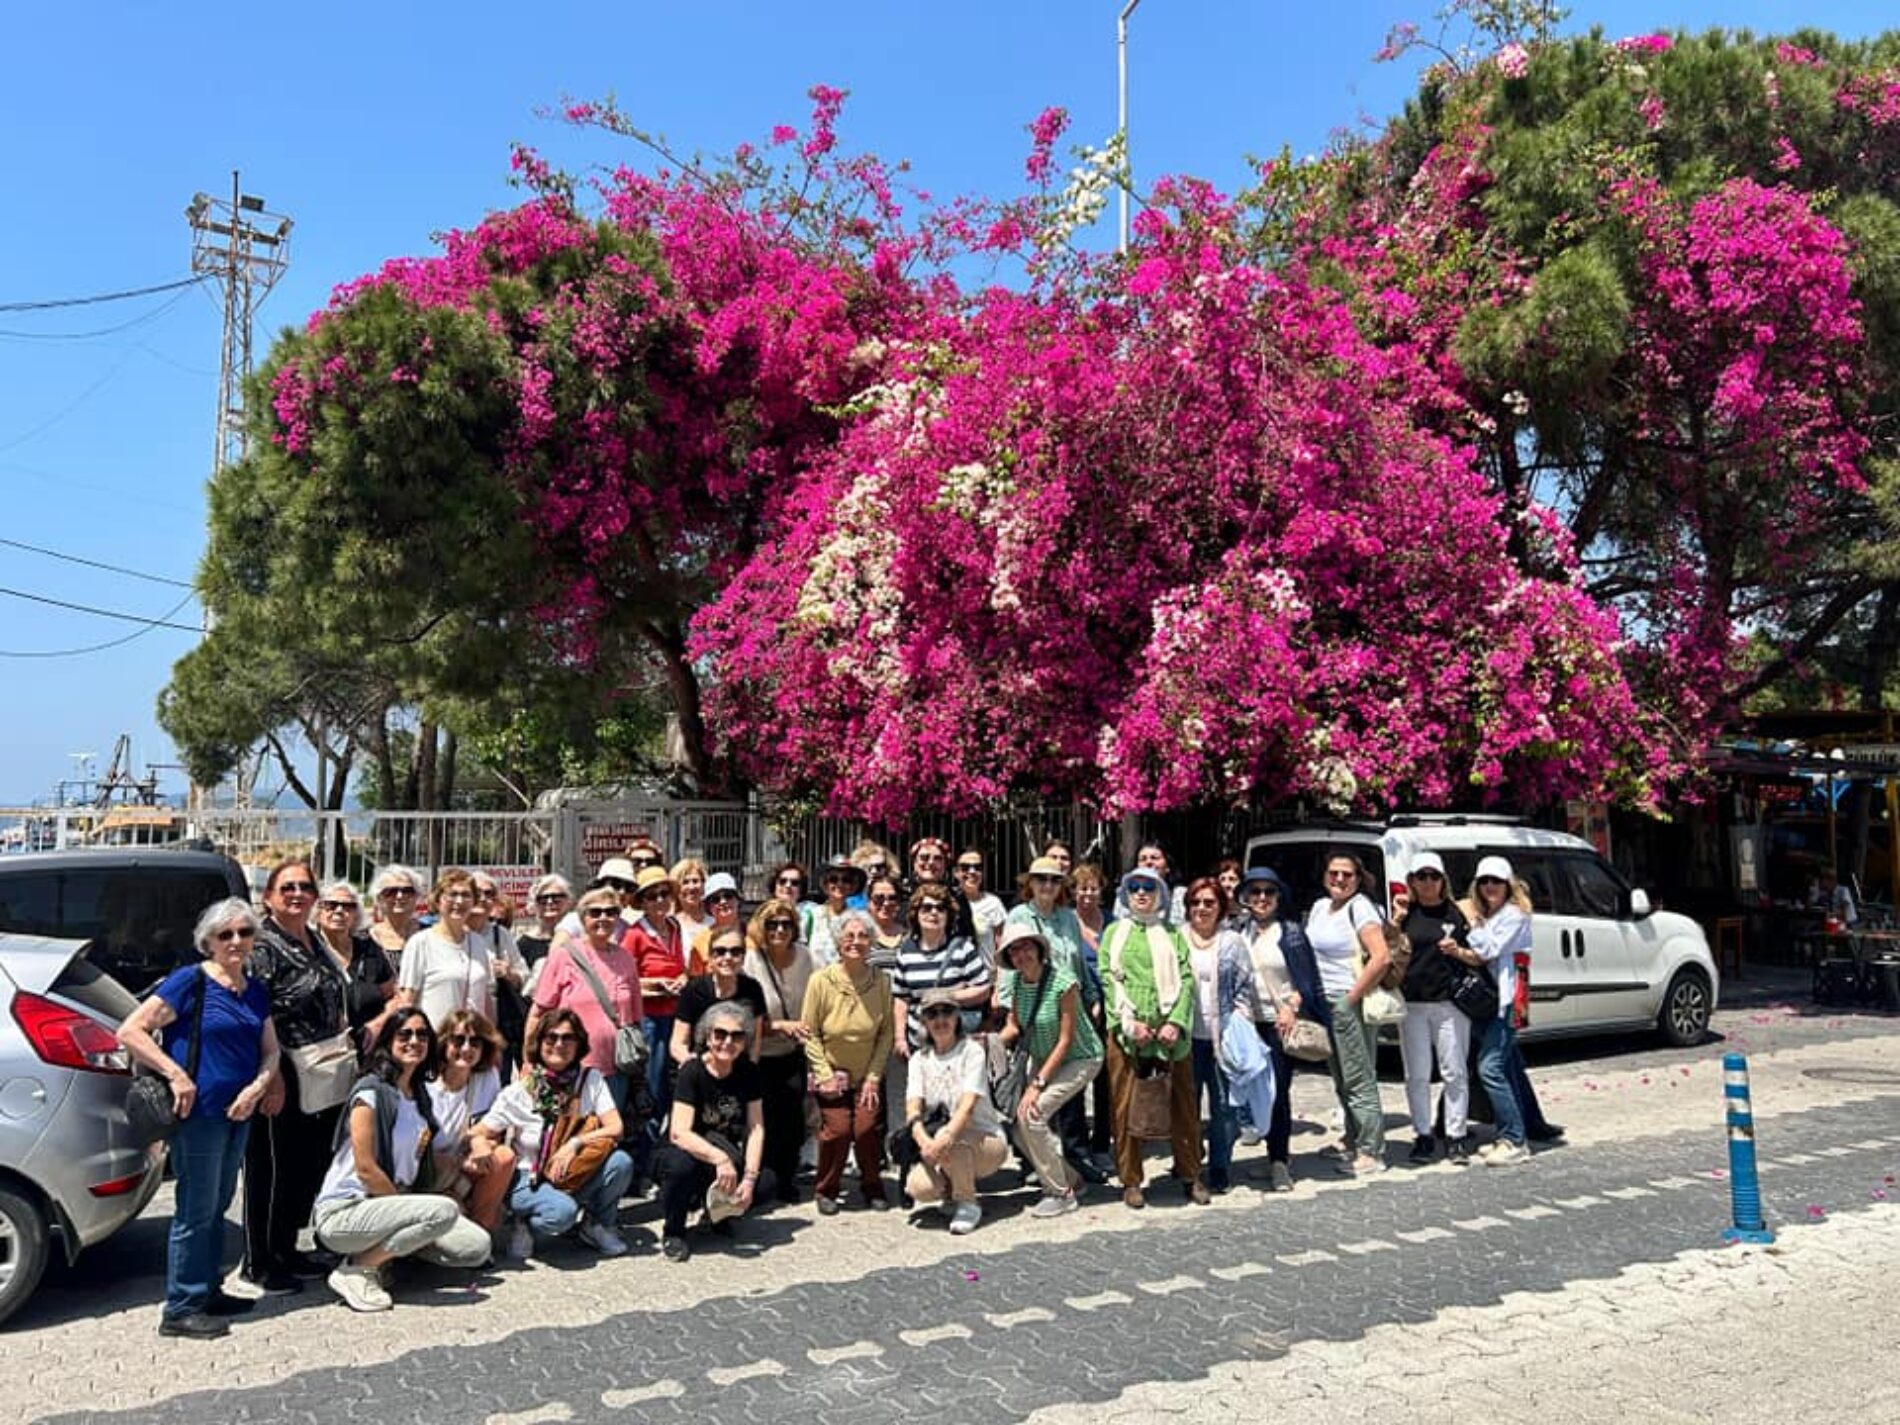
point(683, 1183)
point(284, 1163)
point(1279, 1133)
point(782, 1106)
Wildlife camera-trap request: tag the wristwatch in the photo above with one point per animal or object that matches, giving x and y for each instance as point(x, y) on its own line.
point(1041, 1083)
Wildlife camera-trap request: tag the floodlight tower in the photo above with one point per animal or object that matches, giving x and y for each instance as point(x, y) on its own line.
point(246, 249)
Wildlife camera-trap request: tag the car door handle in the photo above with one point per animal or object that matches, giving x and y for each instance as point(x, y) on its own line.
point(1563, 940)
point(1579, 944)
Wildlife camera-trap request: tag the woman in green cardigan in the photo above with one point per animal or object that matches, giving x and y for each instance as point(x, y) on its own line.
point(1148, 986)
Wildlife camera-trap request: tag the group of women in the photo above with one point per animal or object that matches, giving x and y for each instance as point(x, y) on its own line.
point(442, 1086)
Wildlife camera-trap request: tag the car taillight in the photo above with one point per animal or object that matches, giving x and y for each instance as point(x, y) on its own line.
point(67, 1038)
point(117, 1187)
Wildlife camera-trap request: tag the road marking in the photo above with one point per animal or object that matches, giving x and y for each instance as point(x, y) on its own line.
point(1367, 1247)
point(1799, 1159)
point(949, 1331)
point(831, 1355)
point(554, 1410)
point(1096, 1303)
point(1425, 1234)
point(1870, 1144)
point(1171, 1285)
point(1531, 1214)
point(1835, 1152)
point(1671, 1184)
point(1574, 1204)
point(1245, 1269)
point(1029, 1315)
point(728, 1375)
point(1629, 1194)
point(1479, 1224)
point(668, 1389)
point(1306, 1259)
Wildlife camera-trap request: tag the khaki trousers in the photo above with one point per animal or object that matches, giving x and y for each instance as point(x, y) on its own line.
point(1184, 1119)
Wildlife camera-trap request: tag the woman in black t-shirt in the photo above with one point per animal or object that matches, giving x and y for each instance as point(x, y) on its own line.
point(1433, 1025)
point(722, 984)
point(716, 1131)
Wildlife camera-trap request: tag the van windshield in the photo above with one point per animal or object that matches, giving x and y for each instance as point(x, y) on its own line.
point(1302, 865)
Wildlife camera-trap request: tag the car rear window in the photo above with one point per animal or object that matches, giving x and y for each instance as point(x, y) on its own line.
point(137, 920)
point(1302, 865)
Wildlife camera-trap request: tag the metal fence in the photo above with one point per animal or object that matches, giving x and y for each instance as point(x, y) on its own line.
point(1009, 838)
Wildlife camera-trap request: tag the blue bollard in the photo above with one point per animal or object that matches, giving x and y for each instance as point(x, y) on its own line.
point(1744, 1184)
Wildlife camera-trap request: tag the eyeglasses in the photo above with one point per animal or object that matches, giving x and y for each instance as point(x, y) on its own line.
point(1258, 893)
point(242, 932)
point(601, 912)
point(1144, 888)
point(723, 898)
point(1342, 875)
point(938, 1011)
point(560, 1036)
point(1044, 879)
point(413, 1033)
point(969, 868)
point(931, 908)
point(1428, 875)
point(884, 900)
point(876, 868)
point(464, 1041)
point(725, 1036)
point(334, 906)
point(296, 888)
point(788, 926)
point(791, 880)
point(738, 950)
point(641, 863)
point(550, 898)
point(614, 883)
point(486, 893)
point(1490, 880)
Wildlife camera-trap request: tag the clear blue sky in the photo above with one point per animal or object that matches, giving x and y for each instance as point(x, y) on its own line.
point(375, 126)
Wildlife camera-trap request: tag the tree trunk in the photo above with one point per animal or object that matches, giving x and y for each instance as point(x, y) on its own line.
point(1883, 644)
point(445, 772)
point(422, 773)
point(386, 791)
point(683, 685)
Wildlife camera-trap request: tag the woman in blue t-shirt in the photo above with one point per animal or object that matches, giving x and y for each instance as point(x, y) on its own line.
point(236, 1062)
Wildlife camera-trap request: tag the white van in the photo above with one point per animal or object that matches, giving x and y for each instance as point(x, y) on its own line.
point(1602, 961)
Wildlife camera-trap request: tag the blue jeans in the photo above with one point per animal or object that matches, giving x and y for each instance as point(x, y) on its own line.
point(1223, 1123)
point(1497, 1045)
point(206, 1152)
point(645, 1138)
point(549, 1212)
point(1527, 1106)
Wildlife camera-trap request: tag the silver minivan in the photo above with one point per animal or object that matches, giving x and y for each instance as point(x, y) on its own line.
point(69, 1170)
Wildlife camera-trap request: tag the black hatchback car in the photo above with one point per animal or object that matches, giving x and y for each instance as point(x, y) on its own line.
point(134, 908)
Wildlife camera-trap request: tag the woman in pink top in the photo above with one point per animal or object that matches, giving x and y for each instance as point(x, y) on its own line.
point(564, 985)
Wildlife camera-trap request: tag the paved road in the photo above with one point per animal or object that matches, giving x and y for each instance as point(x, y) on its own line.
point(1111, 1308)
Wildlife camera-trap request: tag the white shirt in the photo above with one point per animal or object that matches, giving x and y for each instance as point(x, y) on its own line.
point(987, 913)
point(1271, 982)
point(1206, 965)
point(513, 1115)
point(341, 1184)
point(1334, 936)
point(456, 1111)
point(941, 1081)
point(1497, 942)
point(448, 975)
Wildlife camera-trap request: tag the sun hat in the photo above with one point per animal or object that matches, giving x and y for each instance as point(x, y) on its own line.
point(719, 883)
point(1046, 866)
point(1263, 876)
point(936, 995)
point(1430, 861)
point(843, 866)
point(1144, 876)
point(650, 877)
point(1017, 933)
point(1493, 867)
point(616, 868)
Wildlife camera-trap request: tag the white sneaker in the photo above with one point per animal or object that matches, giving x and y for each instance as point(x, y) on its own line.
point(964, 1217)
point(603, 1239)
point(520, 1242)
point(1055, 1205)
point(361, 1288)
point(1504, 1155)
point(1249, 1137)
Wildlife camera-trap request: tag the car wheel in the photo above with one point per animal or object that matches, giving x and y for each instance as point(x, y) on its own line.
point(23, 1240)
point(1684, 1019)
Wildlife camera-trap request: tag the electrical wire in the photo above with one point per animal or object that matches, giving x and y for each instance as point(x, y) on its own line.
point(159, 622)
point(163, 307)
point(95, 564)
point(67, 409)
point(122, 296)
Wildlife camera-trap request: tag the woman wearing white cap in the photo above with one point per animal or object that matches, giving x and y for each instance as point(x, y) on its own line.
point(1433, 1025)
point(722, 913)
point(1499, 908)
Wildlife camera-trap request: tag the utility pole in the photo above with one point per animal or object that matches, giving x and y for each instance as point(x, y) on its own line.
point(1121, 106)
point(246, 249)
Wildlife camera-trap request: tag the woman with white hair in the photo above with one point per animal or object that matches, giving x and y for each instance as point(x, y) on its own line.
point(850, 1023)
point(207, 1031)
point(397, 894)
point(548, 900)
point(372, 979)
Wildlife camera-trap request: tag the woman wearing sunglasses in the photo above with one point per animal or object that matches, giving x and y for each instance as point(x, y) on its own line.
point(1499, 908)
point(565, 984)
point(548, 901)
point(1347, 934)
point(722, 913)
point(783, 969)
point(371, 977)
point(397, 895)
point(236, 1061)
point(891, 932)
point(715, 1149)
point(986, 908)
point(1433, 1027)
point(949, 1116)
point(376, 1204)
point(724, 983)
point(557, 1085)
point(466, 1083)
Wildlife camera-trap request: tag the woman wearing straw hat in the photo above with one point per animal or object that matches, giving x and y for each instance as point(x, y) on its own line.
point(1046, 1018)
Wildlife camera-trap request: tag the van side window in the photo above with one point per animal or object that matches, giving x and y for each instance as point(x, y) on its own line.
point(1598, 892)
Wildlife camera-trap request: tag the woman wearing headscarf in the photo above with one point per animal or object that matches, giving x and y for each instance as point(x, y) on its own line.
point(1148, 977)
point(783, 969)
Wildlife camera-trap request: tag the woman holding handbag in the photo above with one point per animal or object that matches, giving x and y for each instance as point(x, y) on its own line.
point(1347, 934)
point(561, 1122)
point(1048, 1023)
point(288, 1152)
point(1149, 979)
point(598, 979)
point(1290, 1010)
point(206, 1030)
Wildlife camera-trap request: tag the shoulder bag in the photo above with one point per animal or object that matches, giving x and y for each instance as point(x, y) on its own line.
point(326, 1071)
point(589, 1158)
point(148, 1105)
point(1008, 1087)
point(630, 1044)
point(1475, 993)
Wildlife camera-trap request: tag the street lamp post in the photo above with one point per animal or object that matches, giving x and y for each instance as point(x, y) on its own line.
point(1121, 74)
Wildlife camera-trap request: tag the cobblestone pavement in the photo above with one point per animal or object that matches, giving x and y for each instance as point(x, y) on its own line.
point(1367, 1295)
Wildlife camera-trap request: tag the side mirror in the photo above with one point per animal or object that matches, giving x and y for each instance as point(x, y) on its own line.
point(1639, 904)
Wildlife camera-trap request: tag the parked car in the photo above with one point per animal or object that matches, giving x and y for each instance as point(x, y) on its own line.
point(133, 907)
point(69, 1170)
point(1602, 959)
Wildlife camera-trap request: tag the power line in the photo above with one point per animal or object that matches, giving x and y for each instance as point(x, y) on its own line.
point(95, 564)
point(150, 624)
point(163, 307)
point(160, 622)
point(123, 296)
